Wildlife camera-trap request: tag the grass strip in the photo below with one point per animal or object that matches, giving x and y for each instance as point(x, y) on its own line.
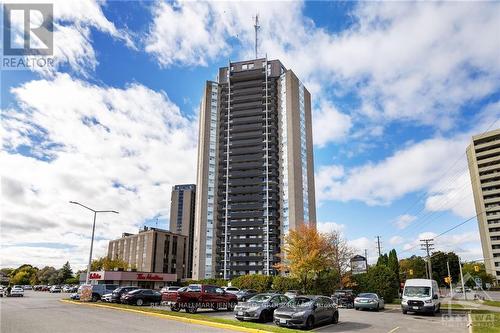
point(233, 322)
point(485, 322)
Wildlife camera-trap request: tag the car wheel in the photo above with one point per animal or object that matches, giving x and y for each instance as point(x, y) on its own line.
point(139, 302)
point(175, 308)
point(191, 308)
point(94, 298)
point(335, 318)
point(309, 323)
point(377, 308)
point(404, 311)
point(438, 310)
point(357, 309)
point(262, 317)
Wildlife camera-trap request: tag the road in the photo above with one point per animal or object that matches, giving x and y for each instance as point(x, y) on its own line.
point(41, 312)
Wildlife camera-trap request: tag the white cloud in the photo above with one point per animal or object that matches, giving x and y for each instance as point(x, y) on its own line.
point(396, 240)
point(329, 124)
point(325, 227)
point(108, 148)
point(410, 169)
point(401, 57)
point(404, 221)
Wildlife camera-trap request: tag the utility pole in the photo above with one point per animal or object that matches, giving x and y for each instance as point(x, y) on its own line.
point(462, 278)
point(449, 278)
point(378, 246)
point(427, 245)
point(257, 27)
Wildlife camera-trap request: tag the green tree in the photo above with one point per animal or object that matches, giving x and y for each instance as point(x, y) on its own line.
point(440, 269)
point(383, 281)
point(383, 260)
point(284, 283)
point(47, 275)
point(393, 263)
point(24, 274)
point(65, 273)
point(415, 265)
point(107, 264)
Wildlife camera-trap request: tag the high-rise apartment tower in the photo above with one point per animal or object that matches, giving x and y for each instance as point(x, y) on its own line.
point(182, 217)
point(255, 177)
point(483, 155)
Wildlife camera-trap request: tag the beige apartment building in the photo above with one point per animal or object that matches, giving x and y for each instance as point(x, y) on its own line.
point(483, 155)
point(152, 250)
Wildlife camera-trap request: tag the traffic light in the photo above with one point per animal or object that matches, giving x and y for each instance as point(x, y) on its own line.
point(447, 279)
point(411, 271)
point(476, 268)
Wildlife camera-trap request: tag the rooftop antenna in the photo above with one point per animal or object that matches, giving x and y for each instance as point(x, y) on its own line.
point(257, 27)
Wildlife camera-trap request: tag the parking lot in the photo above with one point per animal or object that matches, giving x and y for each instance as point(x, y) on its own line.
point(42, 312)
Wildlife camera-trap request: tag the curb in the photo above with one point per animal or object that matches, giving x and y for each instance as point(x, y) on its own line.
point(169, 317)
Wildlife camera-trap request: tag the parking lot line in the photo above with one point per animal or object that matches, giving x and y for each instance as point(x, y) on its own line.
point(394, 329)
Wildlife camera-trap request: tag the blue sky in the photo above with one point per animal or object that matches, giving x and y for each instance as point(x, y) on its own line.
point(398, 89)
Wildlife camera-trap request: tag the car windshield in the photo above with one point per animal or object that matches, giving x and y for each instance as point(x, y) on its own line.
point(301, 302)
point(194, 288)
point(367, 295)
point(414, 291)
point(16, 286)
point(260, 298)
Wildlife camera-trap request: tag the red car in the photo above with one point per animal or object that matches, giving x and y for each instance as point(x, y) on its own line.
point(198, 296)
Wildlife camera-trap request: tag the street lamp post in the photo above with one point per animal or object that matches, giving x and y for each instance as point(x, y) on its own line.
point(93, 230)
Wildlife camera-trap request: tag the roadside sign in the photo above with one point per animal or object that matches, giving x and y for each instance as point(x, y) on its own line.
point(86, 293)
point(479, 282)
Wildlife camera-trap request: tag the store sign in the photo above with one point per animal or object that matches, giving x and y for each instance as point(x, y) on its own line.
point(85, 293)
point(95, 276)
point(154, 277)
point(358, 265)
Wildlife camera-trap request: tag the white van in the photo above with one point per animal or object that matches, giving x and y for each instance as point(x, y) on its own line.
point(420, 295)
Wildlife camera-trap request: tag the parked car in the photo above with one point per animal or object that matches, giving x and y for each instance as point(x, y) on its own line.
point(169, 297)
point(231, 290)
point(169, 289)
point(55, 289)
point(67, 289)
point(344, 298)
point(292, 293)
point(73, 289)
point(306, 312)
point(17, 291)
point(106, 298)
point(75, 296)
point(45, 288)
point(245, 294)
point(141, 296)
point(420, 295)
point(118, 292)
point(260, 307)
point(203, 296)
point(1, 291)
point(369, 301)
point(27, 287)
point(100, 289)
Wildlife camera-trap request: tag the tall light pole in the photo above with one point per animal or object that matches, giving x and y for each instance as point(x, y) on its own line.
point(93, 230)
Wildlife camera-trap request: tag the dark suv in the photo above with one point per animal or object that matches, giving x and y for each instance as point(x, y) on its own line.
point(101, 289)
point(118, 292)
point(344, 298)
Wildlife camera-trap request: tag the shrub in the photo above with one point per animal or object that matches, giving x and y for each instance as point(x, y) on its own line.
point(258, 282)
point(284, 283)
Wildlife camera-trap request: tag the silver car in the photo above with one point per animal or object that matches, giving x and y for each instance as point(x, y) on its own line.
point(369, 301)
point(306, 312)
point(260, 307)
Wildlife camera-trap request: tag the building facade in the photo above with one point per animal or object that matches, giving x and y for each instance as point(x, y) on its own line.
point(483, 156)
point(255, 177)
point(182, 207)
point(152, 250)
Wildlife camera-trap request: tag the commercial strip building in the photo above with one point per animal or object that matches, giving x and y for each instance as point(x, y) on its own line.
point(255, 173)
point(483, 156)
point(182, 207)
point(152, 250)
point(128, 278)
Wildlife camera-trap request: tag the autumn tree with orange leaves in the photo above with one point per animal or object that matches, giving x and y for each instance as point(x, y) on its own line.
point(306, 253)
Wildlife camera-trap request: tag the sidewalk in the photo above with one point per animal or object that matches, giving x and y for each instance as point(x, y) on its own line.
point(476, 305)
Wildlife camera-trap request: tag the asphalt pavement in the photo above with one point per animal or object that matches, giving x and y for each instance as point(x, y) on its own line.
point(42, 312)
